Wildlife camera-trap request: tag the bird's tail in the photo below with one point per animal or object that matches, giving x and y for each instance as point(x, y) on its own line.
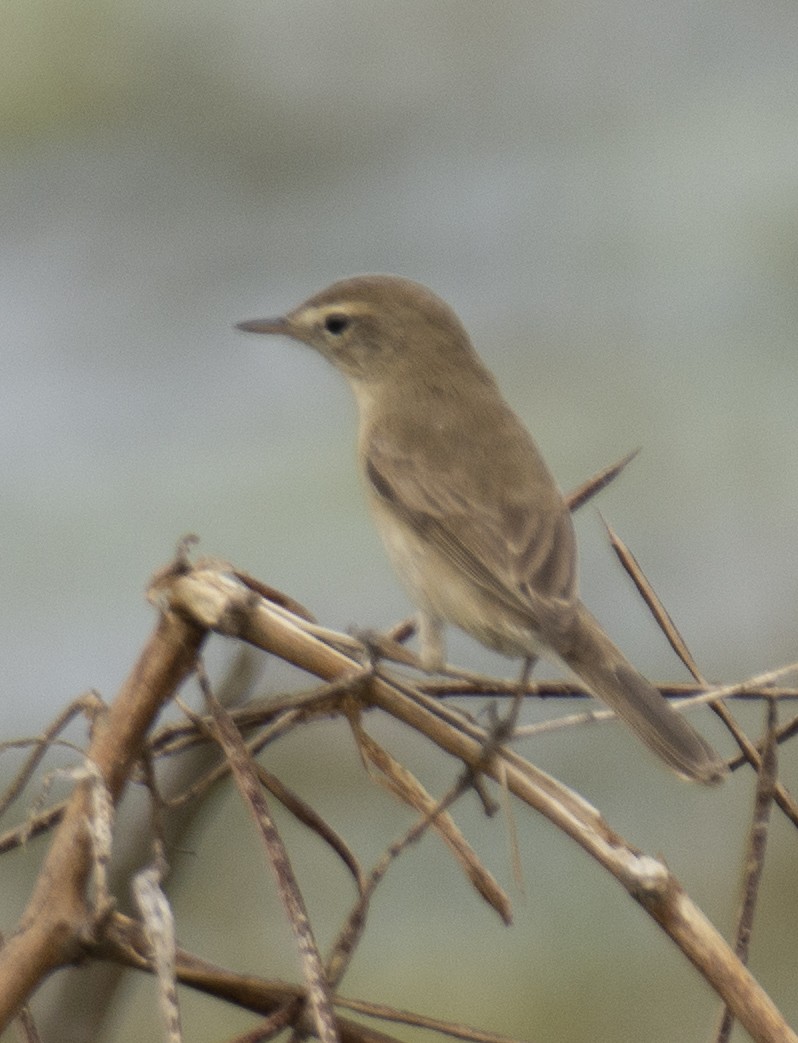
point(608, 675)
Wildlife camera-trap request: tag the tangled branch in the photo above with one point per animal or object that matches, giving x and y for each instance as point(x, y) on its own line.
point(69, 917)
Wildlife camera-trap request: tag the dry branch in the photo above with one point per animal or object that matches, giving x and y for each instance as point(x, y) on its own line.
point(213, 599)
point(67, 917)
point(60, 918)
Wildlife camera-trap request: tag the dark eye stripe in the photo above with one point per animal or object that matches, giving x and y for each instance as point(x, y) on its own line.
point(336, 323)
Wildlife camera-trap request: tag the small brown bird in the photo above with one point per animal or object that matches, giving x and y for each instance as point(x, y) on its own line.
point(472, 520)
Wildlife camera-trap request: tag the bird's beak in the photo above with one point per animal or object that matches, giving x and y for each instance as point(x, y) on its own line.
point(278, 325)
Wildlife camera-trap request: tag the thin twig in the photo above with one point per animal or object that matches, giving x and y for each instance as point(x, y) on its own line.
point(305, 814)
point(229, 739)
point(350, 933)
point(783, 797)
point(124, 943)
point(579, 496)
point(755, 855)
point(89, 704)
point(480, 685)
point(404, 785)
point(284, 1017)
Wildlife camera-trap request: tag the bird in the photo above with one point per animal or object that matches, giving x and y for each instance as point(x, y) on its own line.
point(472, 519)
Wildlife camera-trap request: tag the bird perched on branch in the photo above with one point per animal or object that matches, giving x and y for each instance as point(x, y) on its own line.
point(470, 515)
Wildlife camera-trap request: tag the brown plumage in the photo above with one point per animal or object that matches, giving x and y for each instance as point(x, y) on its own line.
point(472, 520)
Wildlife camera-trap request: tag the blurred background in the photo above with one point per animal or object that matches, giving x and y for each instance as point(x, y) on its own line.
point(608, 196)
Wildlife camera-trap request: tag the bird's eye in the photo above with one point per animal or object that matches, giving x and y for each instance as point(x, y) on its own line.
point(336, 323)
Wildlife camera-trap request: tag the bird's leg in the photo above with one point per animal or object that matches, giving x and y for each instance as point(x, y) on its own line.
point(501, 729)
point(378, 645)
point(504, 727)
point(431, 641)
point(431, 657)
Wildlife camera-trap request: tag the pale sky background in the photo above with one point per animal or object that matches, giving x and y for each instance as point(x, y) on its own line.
point(608, 196)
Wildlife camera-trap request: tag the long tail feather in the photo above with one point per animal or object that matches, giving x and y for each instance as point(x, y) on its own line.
point(608, 674)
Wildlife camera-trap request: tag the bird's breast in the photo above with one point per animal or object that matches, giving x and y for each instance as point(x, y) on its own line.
point(443, 591)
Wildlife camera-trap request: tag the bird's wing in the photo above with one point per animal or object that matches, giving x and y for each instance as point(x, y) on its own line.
point(513, 538)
